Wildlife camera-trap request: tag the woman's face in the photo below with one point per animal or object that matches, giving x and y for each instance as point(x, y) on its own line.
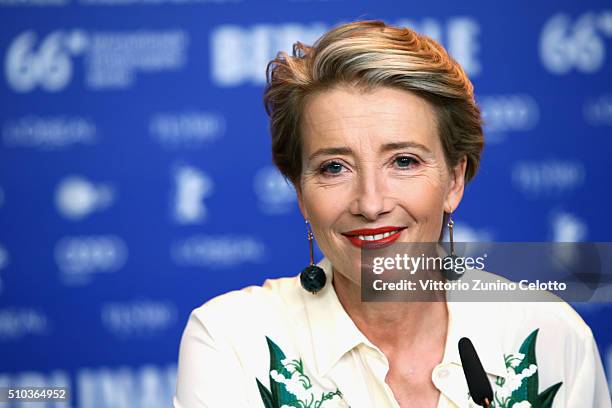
point(373, 172)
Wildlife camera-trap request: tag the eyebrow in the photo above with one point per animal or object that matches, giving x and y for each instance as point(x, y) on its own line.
point(387, 147)
point(402, 145)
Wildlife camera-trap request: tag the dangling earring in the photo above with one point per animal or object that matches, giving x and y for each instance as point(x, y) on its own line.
point(312, 277)
point(449, 262)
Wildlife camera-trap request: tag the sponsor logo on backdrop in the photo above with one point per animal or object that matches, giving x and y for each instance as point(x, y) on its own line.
point(49, 132)
point(192, 186)
point(151, 2)
point(150, 386)
point(112, 59)
point(568, 44)
point(548, 177)
point(17, 323)
point(567, 227)
point(33, 3)
point(217, 251)
point(140, 318)
point(4, 261)
point(187, 129)
point(508, 113)
point(44, 63)
point(275, 194)
point(76, 197)
point(147, 386)
point(79, 259)
point(459, 35)
point(111, 3)
point(598, 111)
point(254, 46)
point(4, 257)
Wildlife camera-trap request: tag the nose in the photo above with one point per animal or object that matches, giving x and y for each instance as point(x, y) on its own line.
point(371, 197)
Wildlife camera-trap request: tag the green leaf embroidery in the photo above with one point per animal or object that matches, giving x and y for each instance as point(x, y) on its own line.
point(546, 397)
point(528, 391)
point(266, 396)
point(287, 381)
point(279, 391)
point(520, 387)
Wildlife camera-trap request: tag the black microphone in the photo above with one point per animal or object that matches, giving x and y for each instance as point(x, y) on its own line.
point(478, 383)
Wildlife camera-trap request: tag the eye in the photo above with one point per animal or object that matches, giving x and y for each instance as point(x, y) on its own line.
point(405, 161)
point(331, 168)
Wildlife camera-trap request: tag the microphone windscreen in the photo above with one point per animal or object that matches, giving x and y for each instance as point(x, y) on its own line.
point(478, 383)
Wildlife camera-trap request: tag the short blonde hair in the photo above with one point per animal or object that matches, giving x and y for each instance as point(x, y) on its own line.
point(369, 54)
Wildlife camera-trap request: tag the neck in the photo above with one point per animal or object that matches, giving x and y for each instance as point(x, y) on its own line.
point(393, 326)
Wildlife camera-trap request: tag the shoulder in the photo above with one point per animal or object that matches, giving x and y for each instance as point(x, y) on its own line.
point(548, 343)
point(226, 339)
point(253, 308)
point(557, 333)
point(272, 293)
point(556, 325)
point(549, 334)
point(549, 313)
point(552, 316)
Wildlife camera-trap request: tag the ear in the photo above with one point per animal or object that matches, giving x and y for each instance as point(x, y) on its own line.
point(456, 185)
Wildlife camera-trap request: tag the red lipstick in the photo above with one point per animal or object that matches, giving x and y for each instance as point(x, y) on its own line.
point(373, 237)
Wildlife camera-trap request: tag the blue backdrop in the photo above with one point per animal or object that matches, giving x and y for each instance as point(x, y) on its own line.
point(136, 180)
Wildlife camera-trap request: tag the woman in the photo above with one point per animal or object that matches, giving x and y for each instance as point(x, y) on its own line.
point(377, 129)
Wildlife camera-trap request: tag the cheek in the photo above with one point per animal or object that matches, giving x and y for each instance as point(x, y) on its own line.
point(423, 196)
point(322, 205)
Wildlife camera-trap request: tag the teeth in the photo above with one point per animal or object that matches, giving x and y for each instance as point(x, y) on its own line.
point(377, 236)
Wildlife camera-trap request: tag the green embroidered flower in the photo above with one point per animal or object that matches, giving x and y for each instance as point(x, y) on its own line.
point(290, 387)
point(519, 389)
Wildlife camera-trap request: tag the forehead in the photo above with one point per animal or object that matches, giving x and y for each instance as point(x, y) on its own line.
point(346, 114)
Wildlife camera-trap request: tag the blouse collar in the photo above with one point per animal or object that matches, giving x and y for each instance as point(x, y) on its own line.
point(335, 334)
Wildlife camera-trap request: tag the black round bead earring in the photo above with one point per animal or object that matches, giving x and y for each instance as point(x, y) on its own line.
point(448, 263)
point(312, 277)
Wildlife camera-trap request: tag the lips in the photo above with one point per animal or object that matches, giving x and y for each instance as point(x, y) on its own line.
point(374, 237)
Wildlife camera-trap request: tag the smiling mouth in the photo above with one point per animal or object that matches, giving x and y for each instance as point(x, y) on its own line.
point(374, 237)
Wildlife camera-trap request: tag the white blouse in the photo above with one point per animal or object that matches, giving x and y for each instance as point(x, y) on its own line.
point(278, 346)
